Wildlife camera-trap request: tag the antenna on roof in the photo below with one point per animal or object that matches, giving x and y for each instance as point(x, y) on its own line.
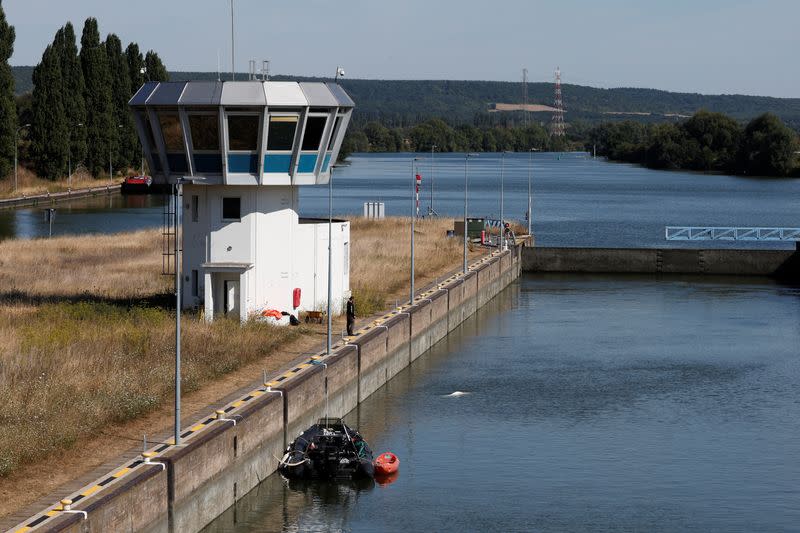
point(339, 74)
point(218, 66)
point(233, 48)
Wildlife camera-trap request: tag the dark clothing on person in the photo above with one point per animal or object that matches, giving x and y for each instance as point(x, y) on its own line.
point(351, 316)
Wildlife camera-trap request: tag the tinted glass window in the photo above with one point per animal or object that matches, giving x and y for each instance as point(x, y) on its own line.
point(231, 208)
point(281, 133)
point(205, 132)
point(243, 133)
point(315, 126)
point(333, 134)
point(171, 130)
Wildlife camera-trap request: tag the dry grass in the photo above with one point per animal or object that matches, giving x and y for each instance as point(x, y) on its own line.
point(381, 256)
point(87, 332)
point(29, 184)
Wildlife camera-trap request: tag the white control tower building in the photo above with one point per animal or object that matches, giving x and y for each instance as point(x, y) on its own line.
point(242, 149)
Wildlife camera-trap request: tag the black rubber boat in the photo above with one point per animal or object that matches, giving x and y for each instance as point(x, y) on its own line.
point(328, 450)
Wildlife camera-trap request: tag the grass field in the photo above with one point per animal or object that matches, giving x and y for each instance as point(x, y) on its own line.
point(88, 330)
point(28, 184)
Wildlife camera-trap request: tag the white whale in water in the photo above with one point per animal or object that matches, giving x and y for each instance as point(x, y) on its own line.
point(456, 394)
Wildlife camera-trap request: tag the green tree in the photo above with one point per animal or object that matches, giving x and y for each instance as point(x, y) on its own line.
point(135, 61)
point(717, 137)
point(126, 138)
point(767, 148)
point(99, 109)
point(72, 90)
point(8, 109)
point(156, 71)
point(49, 137)
point(380, 138)
point(670, 147)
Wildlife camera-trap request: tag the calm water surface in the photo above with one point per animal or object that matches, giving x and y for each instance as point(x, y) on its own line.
point(596, 404)
point(577, 200)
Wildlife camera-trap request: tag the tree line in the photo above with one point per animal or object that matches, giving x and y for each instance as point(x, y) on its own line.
point(77, 113)
point(708, 142)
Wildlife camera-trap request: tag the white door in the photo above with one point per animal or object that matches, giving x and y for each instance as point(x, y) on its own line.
point(231, 297)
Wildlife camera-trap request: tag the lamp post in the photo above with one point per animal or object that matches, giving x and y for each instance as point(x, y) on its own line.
point(69, 159)
point(502, 213)
point(178, 208)
point(16, 142)
point(413, 223)
point(330, 258)
point(431, 212)
point(530, 165)
point(466, 204)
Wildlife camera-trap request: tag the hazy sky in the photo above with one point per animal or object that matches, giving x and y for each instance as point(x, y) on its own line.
point(707, 46)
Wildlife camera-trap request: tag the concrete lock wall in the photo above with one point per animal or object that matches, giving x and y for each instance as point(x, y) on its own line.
point(662, 261)
point(220, 461)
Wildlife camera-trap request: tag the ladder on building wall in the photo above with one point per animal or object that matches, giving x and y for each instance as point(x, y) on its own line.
point(169, 232)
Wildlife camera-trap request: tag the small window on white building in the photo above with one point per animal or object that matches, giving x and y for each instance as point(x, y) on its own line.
point(195, 208)
point(346, 257)
point(195, 284)
point(231, 208)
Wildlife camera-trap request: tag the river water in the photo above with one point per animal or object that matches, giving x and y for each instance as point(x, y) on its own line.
point(577, 200)
point(595, 404)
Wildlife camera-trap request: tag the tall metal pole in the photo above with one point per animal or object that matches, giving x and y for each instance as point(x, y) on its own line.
point(466, 205)
point(414, 213)
point(330, 258)
point(433, 147)
point(233, 48)
point(530, 165)
point(178, 207)
point(502, 214)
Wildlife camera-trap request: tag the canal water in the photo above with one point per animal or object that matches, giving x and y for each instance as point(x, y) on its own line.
point(577, 200)
point(594, 404)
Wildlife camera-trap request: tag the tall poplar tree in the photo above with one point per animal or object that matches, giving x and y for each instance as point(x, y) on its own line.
point(121, 94)
point(156, 71)
point(49, 134)
point(135, 65)
point(72, 91)
point(8, 108)
point(99, 109)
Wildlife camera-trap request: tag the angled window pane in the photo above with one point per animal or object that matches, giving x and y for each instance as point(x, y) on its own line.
point(281, 133)
point(205, 132)
point(243, 132)
point(315, 127)
point(334, 133)
point(172, 132)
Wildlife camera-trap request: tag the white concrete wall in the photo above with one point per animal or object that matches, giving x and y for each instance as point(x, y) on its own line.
point(285, 254)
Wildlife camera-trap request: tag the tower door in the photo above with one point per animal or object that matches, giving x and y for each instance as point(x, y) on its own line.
point(231, 297)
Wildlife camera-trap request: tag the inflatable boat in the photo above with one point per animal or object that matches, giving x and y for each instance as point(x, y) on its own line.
point(328, 450)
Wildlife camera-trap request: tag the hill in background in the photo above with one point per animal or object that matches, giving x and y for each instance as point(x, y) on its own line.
point(404, 103)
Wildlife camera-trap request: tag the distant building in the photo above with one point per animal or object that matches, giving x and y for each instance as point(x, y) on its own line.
point(243, 150)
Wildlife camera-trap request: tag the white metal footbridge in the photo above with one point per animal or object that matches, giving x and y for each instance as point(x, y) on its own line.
point(721, 233)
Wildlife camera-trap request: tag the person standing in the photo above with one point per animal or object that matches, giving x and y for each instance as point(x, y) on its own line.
point(351, 315)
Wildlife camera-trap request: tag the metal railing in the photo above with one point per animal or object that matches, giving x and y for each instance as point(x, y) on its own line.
point(714, 233)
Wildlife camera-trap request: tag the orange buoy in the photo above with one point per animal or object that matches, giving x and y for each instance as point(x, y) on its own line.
point(386, 464)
